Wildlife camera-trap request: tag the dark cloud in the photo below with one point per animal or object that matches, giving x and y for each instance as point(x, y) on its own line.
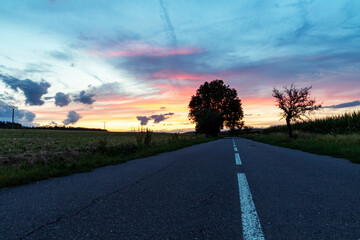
point(143, 120)
point(21, 115)
point(163, 108)
point(110, 90)
point(157, 118)
point(52, 123)
point(345, 105)
point(29, 116)
point(33, 91)
point(290, 67)
point(161, 117)
point(62, 99)
point(72, 118)
point(107, 89)
point(84, 97)
point(147, 66)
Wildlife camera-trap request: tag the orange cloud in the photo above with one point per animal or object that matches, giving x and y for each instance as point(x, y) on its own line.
point(258, 101)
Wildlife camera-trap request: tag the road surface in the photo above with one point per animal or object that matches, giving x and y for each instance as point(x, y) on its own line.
point(225, 189)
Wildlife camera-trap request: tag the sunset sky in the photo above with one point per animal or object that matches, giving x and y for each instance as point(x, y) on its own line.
point(86, 62)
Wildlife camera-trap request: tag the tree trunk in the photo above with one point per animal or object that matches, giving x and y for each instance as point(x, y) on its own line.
point(289, 127)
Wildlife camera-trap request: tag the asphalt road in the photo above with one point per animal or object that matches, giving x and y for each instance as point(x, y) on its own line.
point(200, 192)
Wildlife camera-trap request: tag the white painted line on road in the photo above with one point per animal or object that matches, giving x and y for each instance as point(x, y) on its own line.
point(250, 220)
point(235, 149)
point(237, 159)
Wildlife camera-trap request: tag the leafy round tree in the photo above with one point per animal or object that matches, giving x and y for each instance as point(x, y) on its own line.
point(215, 105)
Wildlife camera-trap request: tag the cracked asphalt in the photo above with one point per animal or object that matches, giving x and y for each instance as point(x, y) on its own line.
point(191, 193)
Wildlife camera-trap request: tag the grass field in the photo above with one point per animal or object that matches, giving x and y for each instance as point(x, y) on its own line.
point(339, 145)
point(29, 155)
point(337, 136)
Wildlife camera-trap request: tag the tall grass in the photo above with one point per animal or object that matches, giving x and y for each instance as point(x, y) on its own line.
point(143, 136)
point(347, 123)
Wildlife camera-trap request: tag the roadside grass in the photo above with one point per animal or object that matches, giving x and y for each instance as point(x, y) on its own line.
point(339, 145)
point(36, 159)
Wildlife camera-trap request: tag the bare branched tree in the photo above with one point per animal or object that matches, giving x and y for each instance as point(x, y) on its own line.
point(296, 104)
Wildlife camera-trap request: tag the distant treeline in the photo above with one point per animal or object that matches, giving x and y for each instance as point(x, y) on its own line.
point(9, 125)
point(342, 124)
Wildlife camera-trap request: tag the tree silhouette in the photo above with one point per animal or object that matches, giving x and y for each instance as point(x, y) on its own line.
point(214, 105)
point(295, 103)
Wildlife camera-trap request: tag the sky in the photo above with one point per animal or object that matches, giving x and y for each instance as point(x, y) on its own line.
point(125, 63)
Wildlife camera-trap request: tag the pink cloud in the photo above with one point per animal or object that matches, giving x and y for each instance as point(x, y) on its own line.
point(166, 74)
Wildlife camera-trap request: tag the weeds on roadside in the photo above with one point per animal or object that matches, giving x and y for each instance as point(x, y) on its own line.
point(143, 136)
point(148, 137)
point(175, 136)
point(102, 144)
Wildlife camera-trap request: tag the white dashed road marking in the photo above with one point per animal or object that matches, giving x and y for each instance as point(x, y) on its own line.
point(250, 220)
point(237, 159)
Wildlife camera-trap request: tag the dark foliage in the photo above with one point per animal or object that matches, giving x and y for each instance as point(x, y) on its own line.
point(208, 121)
point(214, 105)
point(295, 103)
point(8, 125)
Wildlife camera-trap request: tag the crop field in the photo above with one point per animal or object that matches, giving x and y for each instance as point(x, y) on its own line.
point(347, 123)
point(27, 155)
point(27, 141)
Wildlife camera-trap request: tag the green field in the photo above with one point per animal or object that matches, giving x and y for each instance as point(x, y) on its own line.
point(337, 136)
point(28, 155)
point(339, 145)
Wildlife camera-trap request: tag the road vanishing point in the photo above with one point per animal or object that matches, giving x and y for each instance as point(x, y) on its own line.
point(230, 188)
